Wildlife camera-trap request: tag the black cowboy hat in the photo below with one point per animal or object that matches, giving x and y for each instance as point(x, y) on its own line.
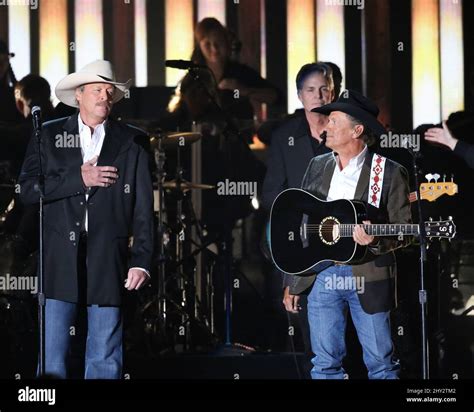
point(4, 49)
point(358, 106)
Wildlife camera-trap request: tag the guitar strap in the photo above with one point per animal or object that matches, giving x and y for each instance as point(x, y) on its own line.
point(377, 170)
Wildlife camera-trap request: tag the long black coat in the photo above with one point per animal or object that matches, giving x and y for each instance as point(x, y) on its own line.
point(114, 213)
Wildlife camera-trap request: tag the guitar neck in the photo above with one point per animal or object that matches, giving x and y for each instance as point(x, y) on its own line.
point(346, 230)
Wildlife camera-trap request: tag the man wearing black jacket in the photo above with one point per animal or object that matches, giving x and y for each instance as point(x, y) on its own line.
point(293, 145)
point(299, 138)
point(98, 194)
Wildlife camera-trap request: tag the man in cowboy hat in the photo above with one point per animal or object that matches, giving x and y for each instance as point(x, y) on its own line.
point(351, 171)
point(98, 193)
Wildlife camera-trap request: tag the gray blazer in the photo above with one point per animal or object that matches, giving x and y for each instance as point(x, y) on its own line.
point(379, 266)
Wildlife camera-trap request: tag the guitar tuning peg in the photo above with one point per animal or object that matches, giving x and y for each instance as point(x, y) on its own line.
point(452, 177)
point(450, 218)
point(431, 219)
point(444, 177)
point(436, 176)
point(428, 177)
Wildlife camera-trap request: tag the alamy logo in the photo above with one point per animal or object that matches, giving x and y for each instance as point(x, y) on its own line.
point(359, 3)
point(37, 395)
point(237, 188)
point(335, 282)
point(16, 283)
point(67, 141)
point(404, 141)
point(32, 3)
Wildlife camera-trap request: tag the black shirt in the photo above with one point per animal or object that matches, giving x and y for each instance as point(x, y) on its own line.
point(318, 147)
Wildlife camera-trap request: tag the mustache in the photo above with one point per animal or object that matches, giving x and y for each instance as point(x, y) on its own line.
point(103, 104)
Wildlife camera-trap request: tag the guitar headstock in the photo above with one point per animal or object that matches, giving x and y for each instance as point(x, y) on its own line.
point(432, 190)
point(445, 229)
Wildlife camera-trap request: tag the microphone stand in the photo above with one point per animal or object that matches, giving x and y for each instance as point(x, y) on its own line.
point(422, 293)
point(41, 295)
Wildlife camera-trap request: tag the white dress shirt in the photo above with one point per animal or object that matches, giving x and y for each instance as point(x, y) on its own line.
point(91, 145)
point(344, 182)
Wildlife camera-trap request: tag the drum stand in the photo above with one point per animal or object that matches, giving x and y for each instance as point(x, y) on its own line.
point(160, 159)
point(175, 310)
point(175, 304)
point(186, 302)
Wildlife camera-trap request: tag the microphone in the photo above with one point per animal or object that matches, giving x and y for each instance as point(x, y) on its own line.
point(324, 136)
point(183, 64)
point(36, 115)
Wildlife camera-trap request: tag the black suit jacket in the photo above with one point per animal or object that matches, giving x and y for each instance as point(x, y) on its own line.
point(289, 155)
point(114, 213)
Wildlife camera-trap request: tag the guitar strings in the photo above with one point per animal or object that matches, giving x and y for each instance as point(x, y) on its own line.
point(347, 229)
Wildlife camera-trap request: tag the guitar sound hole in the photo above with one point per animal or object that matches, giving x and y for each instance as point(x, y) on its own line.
point(329, 230)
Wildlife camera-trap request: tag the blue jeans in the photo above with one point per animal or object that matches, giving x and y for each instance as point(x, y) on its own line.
point(102, 330)
point(334, 291)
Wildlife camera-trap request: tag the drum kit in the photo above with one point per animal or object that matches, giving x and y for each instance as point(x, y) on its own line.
point(174, 316)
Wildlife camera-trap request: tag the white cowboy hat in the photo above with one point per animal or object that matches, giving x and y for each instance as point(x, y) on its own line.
point(99, 71)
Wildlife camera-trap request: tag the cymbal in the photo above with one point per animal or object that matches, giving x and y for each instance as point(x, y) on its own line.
point(185, 185)
point(173, 138)
point(154, 132)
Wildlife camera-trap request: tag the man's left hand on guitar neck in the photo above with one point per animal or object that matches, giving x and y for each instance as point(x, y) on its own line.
point(361, 237)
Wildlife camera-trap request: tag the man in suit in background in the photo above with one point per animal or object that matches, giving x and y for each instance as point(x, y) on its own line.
point(293, 144)
point(98, 193)
point(299, 139)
